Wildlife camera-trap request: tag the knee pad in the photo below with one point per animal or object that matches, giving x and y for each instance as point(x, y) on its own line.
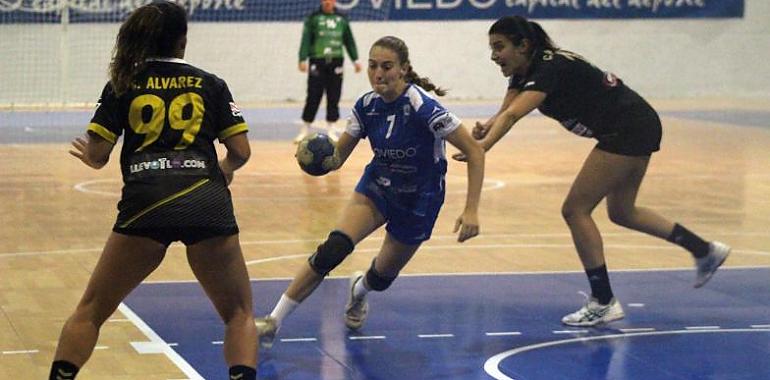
point(377, 281)
point(330, 253)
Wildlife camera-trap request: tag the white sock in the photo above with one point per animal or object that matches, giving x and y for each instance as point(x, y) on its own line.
point(283, 308)
point(359, 289)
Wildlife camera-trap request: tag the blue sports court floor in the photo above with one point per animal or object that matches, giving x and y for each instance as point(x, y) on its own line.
point(501, 326)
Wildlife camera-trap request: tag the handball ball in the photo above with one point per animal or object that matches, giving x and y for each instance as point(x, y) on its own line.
point(311, 152)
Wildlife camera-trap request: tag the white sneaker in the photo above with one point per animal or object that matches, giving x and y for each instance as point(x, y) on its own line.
point(302, 133)
point(594, 313)
point(333, 134)
point(357, 309)
point(706, 266)
point(266, 328)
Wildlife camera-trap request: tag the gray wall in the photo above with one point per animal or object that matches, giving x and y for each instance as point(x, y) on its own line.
point(659, 58)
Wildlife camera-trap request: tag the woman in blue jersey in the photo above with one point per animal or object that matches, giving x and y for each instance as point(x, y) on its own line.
point(401, 188)
point(595, 104)
point(175, 188)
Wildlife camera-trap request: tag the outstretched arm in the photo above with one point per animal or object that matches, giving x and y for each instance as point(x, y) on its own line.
point(520, 106)
point(468, 222)
point(481, 129)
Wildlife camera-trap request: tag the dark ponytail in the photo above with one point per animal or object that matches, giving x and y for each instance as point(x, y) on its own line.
point(399, 47)
point(517, 28)
point(153, 30)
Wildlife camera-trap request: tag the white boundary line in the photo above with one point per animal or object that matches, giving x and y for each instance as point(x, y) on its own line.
point(156, 340)
point(442, 274)
point(492, 365)
point(490, 184)
point(429, 246)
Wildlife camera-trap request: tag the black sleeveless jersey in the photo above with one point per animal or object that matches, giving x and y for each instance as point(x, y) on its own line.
point(584, 99)
point(169, 120)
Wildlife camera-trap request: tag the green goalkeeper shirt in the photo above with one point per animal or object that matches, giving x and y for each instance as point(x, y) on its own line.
point(323, 36)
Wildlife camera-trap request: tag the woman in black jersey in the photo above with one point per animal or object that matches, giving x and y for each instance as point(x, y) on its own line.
point(595, 104)
point(175, 189)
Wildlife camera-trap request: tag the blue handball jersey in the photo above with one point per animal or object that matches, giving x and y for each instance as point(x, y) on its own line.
point(407, 139)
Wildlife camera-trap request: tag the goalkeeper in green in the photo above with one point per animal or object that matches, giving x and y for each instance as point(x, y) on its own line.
point(324, 34)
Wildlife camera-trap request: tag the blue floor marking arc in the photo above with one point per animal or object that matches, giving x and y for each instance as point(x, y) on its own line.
point(735, 300)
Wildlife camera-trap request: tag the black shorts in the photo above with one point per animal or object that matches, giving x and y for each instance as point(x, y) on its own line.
point(637, 127)
point(188, 213)
point(188, 235)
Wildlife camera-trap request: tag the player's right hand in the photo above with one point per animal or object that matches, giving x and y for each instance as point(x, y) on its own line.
point(467, 225)
point(460, 157)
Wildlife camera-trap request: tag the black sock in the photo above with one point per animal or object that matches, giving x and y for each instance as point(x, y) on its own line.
point(689, 241)
point(63, 370)
point(600, 284)
point(242, 372)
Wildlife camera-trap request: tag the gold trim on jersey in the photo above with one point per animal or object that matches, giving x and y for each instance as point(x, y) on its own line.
point(164, 201)
point(234, 130)
point(103, 132)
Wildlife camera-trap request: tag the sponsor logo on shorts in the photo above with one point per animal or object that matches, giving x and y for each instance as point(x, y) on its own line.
point(577, 128)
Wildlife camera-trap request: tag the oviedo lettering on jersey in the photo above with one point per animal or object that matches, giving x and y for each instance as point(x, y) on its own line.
point(395, 154)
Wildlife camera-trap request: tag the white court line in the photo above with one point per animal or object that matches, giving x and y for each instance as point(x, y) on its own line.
point(294, 340)
point(430, 336)
point(702, 328)
point(471, 244)
point(468, 274)
point(489, 184)
point(503, 333)
point(637, 329)
point(480, 246)
point(570, 331)
point(492, 365)
point(368, 337)
point(172, 355)
point(18, 352)
point(760, 326)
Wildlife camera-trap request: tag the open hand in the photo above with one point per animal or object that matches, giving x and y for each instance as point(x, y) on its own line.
point(81, 152)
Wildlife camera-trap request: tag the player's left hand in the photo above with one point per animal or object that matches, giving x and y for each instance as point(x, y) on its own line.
point(468, 226)
point(81, 152)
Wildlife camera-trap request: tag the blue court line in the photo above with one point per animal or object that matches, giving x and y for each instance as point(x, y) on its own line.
point(448, 327)
point(281, 123)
